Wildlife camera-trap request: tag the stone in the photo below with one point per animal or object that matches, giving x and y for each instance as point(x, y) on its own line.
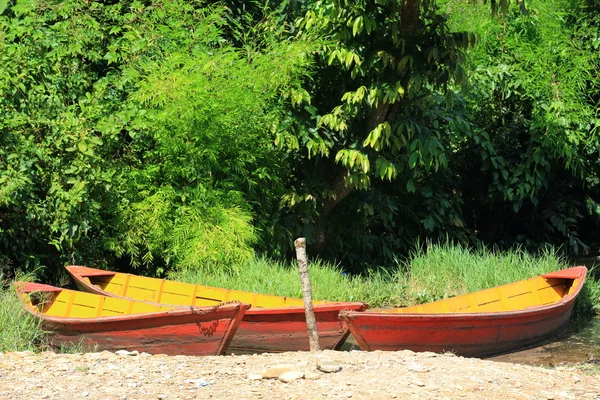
point(127, 353)
point(277, 370)
point(310, 375)
point(255, 377)
point(329, 368)
point(417, 382)
point(291, 376)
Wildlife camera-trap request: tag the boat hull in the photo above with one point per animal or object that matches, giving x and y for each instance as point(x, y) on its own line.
point(280, 330)
point(192, 331)
point(473, 334)
point(276, 329)
point(470, 336)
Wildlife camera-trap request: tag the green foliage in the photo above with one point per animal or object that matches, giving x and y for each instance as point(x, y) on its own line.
point(448, 270)
point(376, 124)
point(528, 164)
point(204, 171)
point(184, 230)
point(588, 301)
point(19, 330)
point(155, 136)
point(379, 127)
point(134, 129)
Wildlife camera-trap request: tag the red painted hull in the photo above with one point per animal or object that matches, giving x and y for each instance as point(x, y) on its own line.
point(197, 331)
point(284, 329)
point(266, 329)
point(467, 334)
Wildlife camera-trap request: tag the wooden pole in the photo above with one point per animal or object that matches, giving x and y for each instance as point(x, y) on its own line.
point(313, 334)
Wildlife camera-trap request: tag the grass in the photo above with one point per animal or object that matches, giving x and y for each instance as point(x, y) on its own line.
point(448, 270)
point(587, 368)
point(273, 277)
point(19, 330)
point(439, 272)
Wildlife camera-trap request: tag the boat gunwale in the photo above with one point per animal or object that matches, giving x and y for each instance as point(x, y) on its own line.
point(323, 307)
point(175, 312)
point(564, 301)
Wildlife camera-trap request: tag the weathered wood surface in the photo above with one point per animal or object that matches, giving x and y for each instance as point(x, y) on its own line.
point(113, 324)
point(482, 323)
point(273, 324)
point(311, 325)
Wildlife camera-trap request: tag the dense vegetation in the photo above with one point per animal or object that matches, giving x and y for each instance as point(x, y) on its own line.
point(167, 137)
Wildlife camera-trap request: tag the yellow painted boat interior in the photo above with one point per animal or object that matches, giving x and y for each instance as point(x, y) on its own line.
point(535, 292)
point(179, 293)
point(74, 304)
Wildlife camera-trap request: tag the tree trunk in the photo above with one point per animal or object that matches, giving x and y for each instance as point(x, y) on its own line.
point(309, 312)
point(409, 17)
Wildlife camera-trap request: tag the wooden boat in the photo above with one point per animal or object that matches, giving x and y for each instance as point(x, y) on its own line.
point(478, 324)
point(274, 324)
point(107, 323)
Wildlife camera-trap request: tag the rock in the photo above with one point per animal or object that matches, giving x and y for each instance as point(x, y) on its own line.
point(291, 376)
point(255, 377)
point(418, 368)
point(311, 375)
point(417, 382)
point(127, 353)
point(329, 368)
point(85, 394)
point(277, 370)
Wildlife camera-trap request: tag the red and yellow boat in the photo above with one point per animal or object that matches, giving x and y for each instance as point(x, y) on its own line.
point(478, 324)
point(273, 324)
point(112, 324)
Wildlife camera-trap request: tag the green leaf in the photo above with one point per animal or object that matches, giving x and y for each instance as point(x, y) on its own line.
point(3, 5)
point(412, 161)
point(357, 26)
point(410, 186)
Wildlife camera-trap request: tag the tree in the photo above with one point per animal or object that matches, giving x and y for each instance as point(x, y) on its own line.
point(381, 64)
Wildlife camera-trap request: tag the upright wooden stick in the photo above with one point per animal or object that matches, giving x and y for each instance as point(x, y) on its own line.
point(313, 334)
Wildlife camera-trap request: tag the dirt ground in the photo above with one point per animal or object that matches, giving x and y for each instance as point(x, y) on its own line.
point(360, 375)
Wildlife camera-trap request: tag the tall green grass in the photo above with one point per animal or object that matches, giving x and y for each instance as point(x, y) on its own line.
point(447, 270)
point(19, 330)
point(439, 272)
point(280, 278)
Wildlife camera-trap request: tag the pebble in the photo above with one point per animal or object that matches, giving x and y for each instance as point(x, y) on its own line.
point(255, 377)
point(417, 382)
point(329, 368)
point(277, 370)
point(365, 375)
point(127, 353)
point(291, 376)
